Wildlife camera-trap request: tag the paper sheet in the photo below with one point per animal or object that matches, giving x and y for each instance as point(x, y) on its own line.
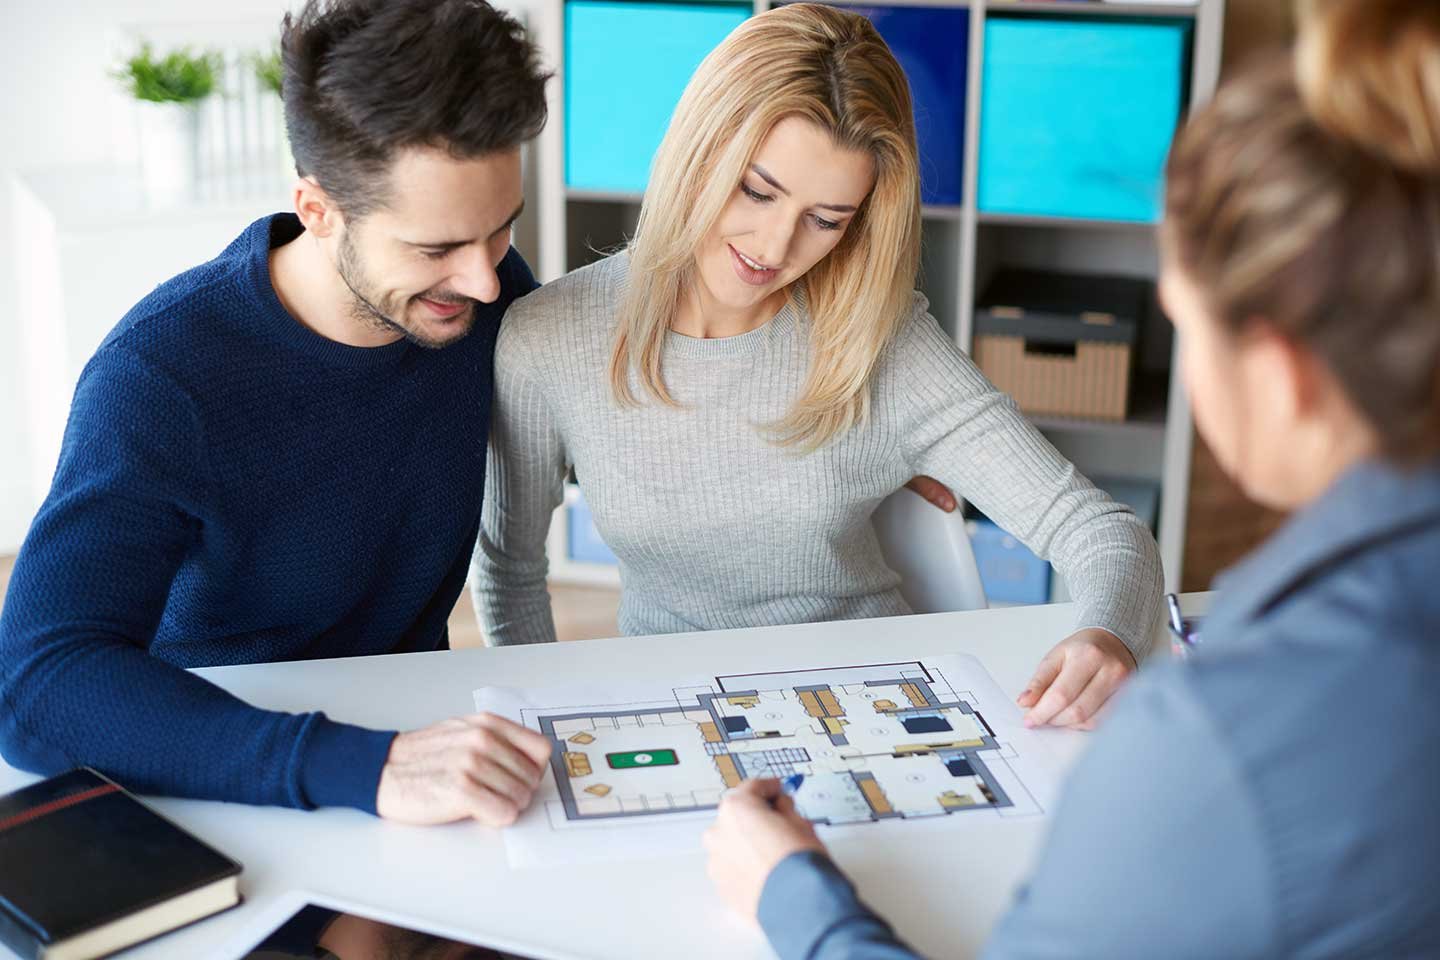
point(637, 771)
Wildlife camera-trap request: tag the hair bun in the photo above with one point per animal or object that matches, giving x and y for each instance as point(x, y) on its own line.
point(1369, 71)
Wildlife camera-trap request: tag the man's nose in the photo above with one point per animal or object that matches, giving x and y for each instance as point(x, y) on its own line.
point(476, 277)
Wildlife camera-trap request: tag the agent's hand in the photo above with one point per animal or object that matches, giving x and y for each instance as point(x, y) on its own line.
point(757, 827)
point(934, 491)
point(479, 766)
point(1075, 680)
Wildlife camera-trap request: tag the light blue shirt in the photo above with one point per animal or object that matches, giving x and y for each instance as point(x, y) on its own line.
point(1276, 795)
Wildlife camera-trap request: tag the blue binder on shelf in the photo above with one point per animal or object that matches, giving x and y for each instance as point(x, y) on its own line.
point(932, 44)
point(1078, 115)
point(626, 66)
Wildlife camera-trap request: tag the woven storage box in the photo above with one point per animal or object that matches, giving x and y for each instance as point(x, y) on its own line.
point(1060, 344)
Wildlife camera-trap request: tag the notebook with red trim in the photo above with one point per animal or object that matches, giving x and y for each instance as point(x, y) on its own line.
point(86, 870)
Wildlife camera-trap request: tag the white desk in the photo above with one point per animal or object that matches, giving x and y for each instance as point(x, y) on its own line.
point(457, 876)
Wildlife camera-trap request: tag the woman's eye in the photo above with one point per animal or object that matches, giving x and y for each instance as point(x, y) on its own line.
point(435, 254)
point(824, 224)
point(755, 195)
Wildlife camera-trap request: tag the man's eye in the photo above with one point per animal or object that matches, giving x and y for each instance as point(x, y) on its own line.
point(755, 195)
point(435, 254)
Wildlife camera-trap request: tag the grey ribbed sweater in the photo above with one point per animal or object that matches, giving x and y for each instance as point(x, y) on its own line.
point(716, 527)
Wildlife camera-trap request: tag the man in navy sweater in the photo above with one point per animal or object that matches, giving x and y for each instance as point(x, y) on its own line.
point(279, 454)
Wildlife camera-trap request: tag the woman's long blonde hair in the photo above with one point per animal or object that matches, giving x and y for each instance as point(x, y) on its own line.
point(832, 68)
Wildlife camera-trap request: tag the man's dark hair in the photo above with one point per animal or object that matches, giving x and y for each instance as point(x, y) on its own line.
point(366, 78)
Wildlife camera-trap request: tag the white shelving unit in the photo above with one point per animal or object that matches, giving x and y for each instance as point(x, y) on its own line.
point(961, 249)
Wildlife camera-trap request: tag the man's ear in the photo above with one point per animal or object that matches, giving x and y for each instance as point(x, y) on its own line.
point(317, 212)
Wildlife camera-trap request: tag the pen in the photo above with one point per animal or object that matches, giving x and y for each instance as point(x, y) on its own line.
point(1177, 623)
point(791, 784)
point(1185, 632)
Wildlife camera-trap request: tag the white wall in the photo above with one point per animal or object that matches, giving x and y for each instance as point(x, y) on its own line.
point(59, 107)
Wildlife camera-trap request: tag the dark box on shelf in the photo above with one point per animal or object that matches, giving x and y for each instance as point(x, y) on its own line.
point(933, 46)
point(1062, 344)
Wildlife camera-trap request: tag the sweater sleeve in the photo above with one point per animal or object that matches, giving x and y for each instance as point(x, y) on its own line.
point(78, 684)
point(961, 430)
point(1186, 877)
point(809, 911)
point(1151, 854)
point(524, 484)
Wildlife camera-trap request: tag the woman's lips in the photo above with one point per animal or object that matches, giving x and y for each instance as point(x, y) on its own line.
point(747, 273)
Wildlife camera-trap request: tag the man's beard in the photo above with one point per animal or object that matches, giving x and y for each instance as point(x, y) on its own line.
point(363, 310)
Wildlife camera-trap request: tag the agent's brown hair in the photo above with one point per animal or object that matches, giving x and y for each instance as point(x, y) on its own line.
point(1307, 195)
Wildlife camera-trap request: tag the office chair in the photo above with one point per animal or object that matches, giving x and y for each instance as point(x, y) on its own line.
point(931, 552)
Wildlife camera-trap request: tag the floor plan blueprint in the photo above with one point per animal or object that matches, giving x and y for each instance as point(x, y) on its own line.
point(922, 739)
point(875, 741)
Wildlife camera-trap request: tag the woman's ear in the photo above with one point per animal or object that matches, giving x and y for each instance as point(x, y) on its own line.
point(1282, 376)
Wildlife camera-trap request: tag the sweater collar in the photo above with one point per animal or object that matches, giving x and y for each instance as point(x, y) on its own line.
point(263, 236)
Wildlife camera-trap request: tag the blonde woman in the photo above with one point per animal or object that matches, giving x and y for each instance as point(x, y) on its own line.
point(1279, 788)
point(740, 388)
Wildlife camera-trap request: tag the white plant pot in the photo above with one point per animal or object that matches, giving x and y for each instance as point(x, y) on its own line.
point(169, 152)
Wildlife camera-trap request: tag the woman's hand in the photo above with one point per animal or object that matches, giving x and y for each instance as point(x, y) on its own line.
point(939, 495)
point(1075, 680)
point(758, 826)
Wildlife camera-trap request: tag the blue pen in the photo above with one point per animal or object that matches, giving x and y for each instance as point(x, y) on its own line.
point(1177, 622)
point(1185, 632)
point(791, 784)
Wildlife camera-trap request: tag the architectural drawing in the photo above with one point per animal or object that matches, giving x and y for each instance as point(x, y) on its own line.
point(875, 742)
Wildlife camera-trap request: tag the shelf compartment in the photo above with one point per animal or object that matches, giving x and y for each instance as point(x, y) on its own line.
point(1091, 8)
point(1063, 223)
point(932, 45)
point(626, 66)
point(1077, 115)
point(1146, 422)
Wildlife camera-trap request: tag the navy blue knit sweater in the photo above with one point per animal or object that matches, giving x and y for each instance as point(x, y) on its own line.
point(235, 488)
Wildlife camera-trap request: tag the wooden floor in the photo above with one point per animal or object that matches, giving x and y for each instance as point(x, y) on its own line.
point(581, 613)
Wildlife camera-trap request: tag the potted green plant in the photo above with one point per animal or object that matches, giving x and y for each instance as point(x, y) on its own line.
point(270, 72)
point(168, 91)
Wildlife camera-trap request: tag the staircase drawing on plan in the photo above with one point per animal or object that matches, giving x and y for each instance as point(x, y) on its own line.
point(874, 742)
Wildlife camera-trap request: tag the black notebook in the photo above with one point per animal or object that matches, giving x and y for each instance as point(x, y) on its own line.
point(86, 870)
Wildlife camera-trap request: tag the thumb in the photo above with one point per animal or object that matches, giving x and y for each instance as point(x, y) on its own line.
point(1044, 675)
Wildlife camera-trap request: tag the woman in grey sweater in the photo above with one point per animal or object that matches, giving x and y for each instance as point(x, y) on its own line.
point(741, 388)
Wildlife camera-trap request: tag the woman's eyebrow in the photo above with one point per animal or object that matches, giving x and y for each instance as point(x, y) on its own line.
point(764, 174)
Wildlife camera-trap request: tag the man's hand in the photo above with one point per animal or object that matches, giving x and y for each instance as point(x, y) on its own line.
point(934, 491)
point(757, 827)
point(480, 766)
point(1075, 680)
